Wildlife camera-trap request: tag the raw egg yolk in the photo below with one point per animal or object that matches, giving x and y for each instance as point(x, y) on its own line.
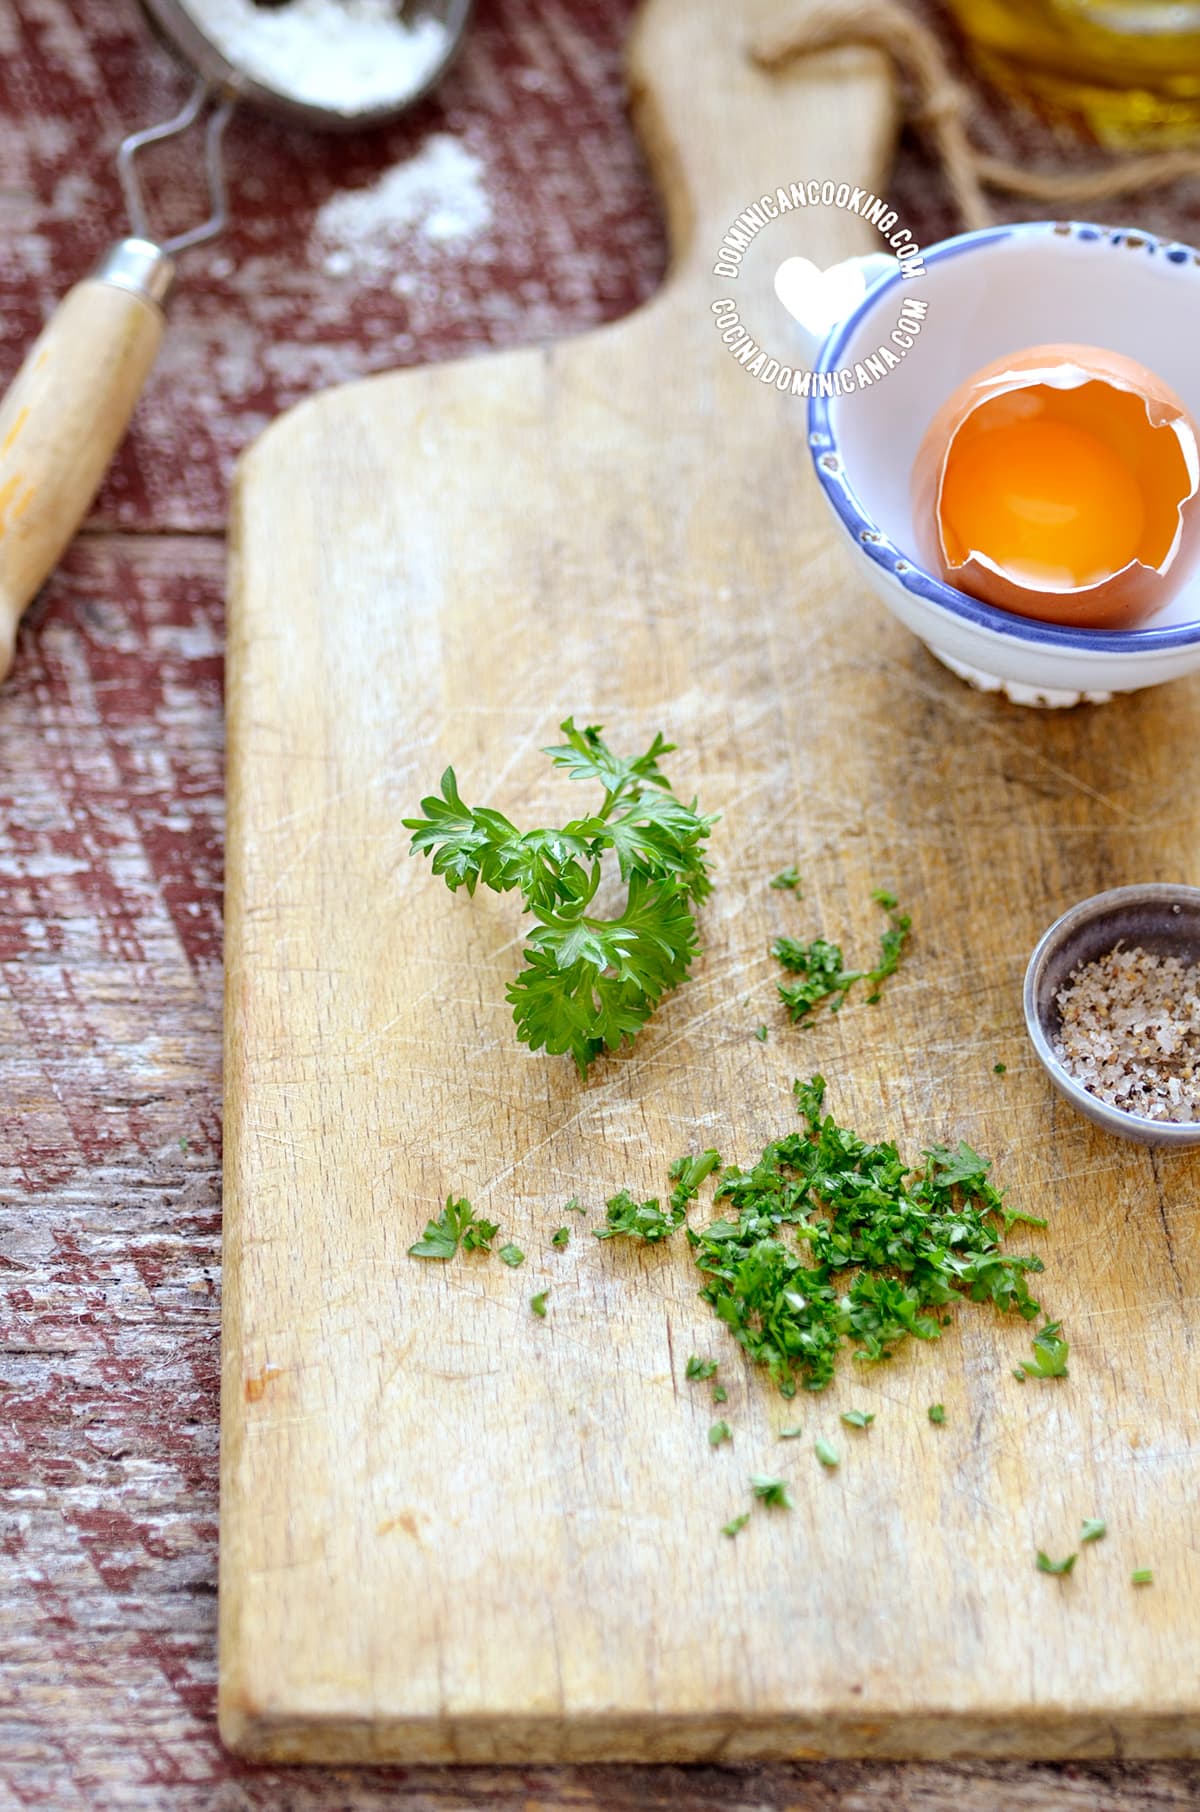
point(1045, 500)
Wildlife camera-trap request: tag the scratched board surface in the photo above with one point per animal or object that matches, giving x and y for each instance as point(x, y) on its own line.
point(452, 1530)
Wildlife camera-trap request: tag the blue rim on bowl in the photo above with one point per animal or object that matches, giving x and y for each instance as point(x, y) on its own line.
point(914, 578)
point(1162, 916)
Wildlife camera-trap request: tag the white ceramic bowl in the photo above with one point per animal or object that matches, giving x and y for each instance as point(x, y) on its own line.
point(990, 293)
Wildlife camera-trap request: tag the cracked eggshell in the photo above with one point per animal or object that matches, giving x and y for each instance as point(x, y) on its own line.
point(1127, 596)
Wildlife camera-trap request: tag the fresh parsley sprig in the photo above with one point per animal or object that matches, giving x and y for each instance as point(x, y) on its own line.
point(590, 982)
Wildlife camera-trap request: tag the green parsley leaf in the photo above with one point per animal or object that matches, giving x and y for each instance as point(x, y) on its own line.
point(538, 1303)
point(687, 1174)
point(937, 1412)
point(479, 1235)
point(789, 1434)
point(1093, 1528)
point(787, 879)
point(1046, 1565)
point(561, 1238)
point(1049, 1353)
point(858, 1418)
point(720, 1394)
point(512, 1255)
point(456, 1225)
point(761, 1033)
point(825, 1452)
point(573, 1206)
point(1018, 1374)
point(720, 1431)
point(771, 1491)
point(883, 898)
point(999, 1069)
point(183, 1144)
point(589, 983)
point(1142, 1576)
point(700, 1368)
point(736, 1524)
point(645, 1221)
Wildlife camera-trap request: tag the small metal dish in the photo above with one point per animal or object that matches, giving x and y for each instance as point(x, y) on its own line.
point(1161, 917)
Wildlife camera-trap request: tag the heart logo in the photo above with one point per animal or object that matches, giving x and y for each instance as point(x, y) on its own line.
point(817, 300)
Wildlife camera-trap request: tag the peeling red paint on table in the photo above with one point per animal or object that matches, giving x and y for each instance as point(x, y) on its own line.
point(110, 882)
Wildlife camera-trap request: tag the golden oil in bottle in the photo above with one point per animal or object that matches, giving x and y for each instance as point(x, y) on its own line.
point(1126, 72)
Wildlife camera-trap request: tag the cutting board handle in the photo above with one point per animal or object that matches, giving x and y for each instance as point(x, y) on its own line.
point(719, 130)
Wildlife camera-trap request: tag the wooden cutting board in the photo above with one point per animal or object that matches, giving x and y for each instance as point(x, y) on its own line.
point(451, 1531)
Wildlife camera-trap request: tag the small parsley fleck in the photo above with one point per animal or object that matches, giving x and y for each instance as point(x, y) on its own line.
point(937, 1412)
point(700, 1368)
point(573, 1206)
point(787, 879)
point(761, 1034)
point(1046, 1565)
point(1049, 1353)
point(538, 1304)
point(825, 1452)
point(999, 1069)
point(771, 1491)
point(720, 1431)
point(858, 1418)
point(720, 1394)
point(512, 1255)
point(736, 1524)
point(789, 1434)
point(561, 1238)
point(1093, 1528)
point(1142, 1576)
point(456, 1226)
point(183, 1145)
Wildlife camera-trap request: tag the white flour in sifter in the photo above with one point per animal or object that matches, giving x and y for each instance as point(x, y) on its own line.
point(347, 55)
point(438, 194)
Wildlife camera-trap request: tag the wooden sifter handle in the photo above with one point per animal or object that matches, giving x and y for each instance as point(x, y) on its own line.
point(66, 412)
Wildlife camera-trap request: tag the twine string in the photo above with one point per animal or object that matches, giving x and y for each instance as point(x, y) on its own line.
point(941, 106)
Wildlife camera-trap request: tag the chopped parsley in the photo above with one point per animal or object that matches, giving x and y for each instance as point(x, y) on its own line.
point(1046, 1565)
point(720, 1431)
point(999, 1069)
point(736, 1524)
point(589, 983)
point(700, 1368)
point(573, 1206)
point(789, 1434)
point(627, 1219)
point(787, 879)
point(821, 967)
point(771, 1491)
point(538, 1304)
point(1093, 1528)
point(512, 1255)
point(561, 1238)
point(687, 1174)
point(1142, 1576)
point(1049, 1353)
point(457, 1225)
point(720, 1394)
point(937, 1412)
point(761, 1033)
point(830, 1239)
point(825, 1452)
point(858, 1418)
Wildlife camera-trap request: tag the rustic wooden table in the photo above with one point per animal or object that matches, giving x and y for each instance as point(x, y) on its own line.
point(537, 220)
